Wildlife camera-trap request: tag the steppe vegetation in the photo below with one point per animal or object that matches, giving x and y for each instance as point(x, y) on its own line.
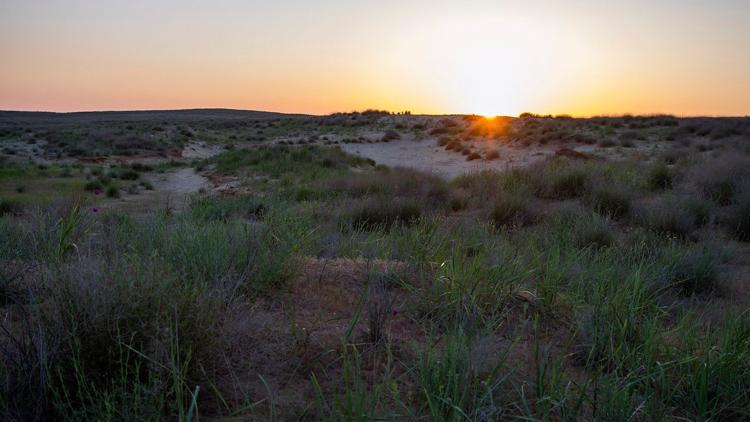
point(607, 280)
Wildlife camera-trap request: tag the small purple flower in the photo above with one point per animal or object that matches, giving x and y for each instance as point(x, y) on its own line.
point(95, 209)
point(395, 312)
point(97, 191)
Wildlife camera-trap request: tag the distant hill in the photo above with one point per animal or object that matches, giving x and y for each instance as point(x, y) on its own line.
point(46, 117)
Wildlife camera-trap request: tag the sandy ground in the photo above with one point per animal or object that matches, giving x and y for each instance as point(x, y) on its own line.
point(201, 150)
point(427, 156)
point(171, 191)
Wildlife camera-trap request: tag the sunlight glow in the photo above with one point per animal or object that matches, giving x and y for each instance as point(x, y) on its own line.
point(485, 57)
point(494, 66)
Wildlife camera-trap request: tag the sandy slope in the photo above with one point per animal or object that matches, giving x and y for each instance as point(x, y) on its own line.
point(426, 155)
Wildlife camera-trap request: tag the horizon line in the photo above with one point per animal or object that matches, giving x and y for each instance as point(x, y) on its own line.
point(546, 115)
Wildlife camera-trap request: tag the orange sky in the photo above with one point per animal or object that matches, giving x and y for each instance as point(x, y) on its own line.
point(489, 57)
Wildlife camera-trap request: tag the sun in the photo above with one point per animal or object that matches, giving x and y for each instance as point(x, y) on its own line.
point(491, 66)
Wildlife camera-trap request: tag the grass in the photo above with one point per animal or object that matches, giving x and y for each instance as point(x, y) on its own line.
point(672, 217)
point(659, 178)
point(276, 161)
point(374, 214)
point(739, 220)
point(609, 201)
point(511, 210)
point(382, 294)
point(692, 270)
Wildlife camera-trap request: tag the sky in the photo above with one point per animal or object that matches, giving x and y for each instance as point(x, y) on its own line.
point(578, 57)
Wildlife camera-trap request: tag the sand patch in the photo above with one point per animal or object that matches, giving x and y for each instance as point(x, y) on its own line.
point(425, 155)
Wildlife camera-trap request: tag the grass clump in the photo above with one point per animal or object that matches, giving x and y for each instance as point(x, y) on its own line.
point(376, 214)
point(691, 270)
point(113, 191)
point(208, 208)
point(569, 184)
point(671, 217)
point(451, 389)
point(739, 220)
point(303, 162)
point(721, 180)
point(8, 207)
point(593, 233)
point(659, 177)
point(609, 201)
point(511, 210)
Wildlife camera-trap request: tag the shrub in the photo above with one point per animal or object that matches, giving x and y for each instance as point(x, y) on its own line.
point(93, 185)
point(113, 191)
point(128, 174)
point(511, 210)
point(139, 167)
point(378, 213)
point(459, 200)
point(610, 201)
point(473, 156)
point(659, 177)
point(211, 208)
point(390, 135)
point(400, 182)
point(720, 191)
point(305, 193)
point(593, 233)
point(669, 218)
point(569, 184)
point(692, 271)
point(586, 228)
point(492, 154)
point(739, 220)
point(132, 189)
point(8, 207)
point(720, 179)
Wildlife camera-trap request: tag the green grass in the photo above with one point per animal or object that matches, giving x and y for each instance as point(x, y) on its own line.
point(612, 305)
point(277, 161)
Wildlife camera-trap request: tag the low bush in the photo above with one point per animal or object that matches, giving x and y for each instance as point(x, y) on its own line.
point(511, 210)
point(669, 217)
point(568, 184)
point(377, 213)
point(659, 177)
point(738, 221)
point(211, 208)
point(593, 232)
point(8, 207)
point(390, 135)
point(127, 174)
point(113, 191)
point(721, 179)
point(492, 154)
point(609, 201)
point(401, 182)
point(692, 270)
